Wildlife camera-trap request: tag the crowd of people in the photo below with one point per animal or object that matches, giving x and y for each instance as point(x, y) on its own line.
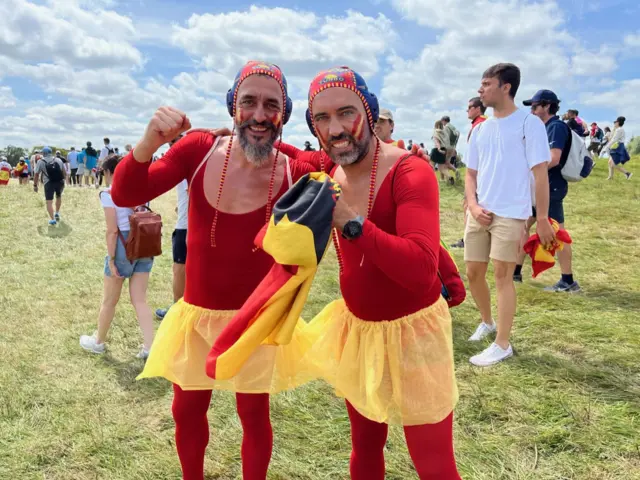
point(386, 346)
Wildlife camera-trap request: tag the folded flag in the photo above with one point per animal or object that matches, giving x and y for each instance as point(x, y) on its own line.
point(542, 257)
point(297, 237)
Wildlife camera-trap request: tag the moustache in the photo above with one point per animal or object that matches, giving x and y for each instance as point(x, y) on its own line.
point(252, 123)
point(342, 136)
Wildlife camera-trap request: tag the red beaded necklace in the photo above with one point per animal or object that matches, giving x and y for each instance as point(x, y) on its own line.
point(223, 176)
point(372, 193)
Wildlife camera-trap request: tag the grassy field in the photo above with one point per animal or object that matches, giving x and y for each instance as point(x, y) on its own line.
point(567, 406)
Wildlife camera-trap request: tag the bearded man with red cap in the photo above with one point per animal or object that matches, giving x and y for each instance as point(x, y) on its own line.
point(386, 347)
point(234, 182)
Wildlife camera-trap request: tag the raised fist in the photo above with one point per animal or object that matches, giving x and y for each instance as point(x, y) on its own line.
point(165, 125)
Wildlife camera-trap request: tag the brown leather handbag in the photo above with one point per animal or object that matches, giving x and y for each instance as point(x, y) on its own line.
point(145, 234)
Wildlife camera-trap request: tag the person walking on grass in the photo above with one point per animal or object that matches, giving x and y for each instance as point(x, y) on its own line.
point(545, 105)
point(503, 153)
point(51, 170)
point(117, 268)
point(617, 151)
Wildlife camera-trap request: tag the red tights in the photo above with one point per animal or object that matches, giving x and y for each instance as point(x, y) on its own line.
point(430, 447)
point(192, 432)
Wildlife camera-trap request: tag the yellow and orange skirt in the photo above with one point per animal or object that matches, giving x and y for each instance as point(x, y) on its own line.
point(185, 337)
point(399, 371)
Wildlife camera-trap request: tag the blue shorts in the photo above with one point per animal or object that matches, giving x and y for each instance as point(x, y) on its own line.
point(125, 268)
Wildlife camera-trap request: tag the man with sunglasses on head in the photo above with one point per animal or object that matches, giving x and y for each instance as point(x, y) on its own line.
point(545, 105)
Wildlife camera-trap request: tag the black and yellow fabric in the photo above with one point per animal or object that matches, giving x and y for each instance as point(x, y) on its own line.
point(297, 237)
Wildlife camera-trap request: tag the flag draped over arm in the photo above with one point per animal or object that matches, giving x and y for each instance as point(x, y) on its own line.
point(297, 237)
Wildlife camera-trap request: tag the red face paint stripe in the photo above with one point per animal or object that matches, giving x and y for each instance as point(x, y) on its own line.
point(358, 128)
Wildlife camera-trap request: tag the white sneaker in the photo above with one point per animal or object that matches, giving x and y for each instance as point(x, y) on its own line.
point(90, 343)
point(491, 355)
point(143, 353)
point(482, 331)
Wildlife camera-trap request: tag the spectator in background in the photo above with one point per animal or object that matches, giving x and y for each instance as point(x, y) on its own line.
point(617, 150)
point(82, 168)
point(128, 148)
point(454, 136)
point(72, 159)
point(90, 165)
point(475, 113)
point(443, 152)
point(52, 171)
point(604, 147)
point(545, 105)
point(597, 136)
point(5, 171)
point(22, 171)
point(576, 123)
point(34, 161)
point(308, 147)
point(384, 128)
point(104, 153)
point(116, 268)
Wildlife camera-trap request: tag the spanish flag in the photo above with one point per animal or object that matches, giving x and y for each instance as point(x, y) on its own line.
point(542, 257)
point(297, 237)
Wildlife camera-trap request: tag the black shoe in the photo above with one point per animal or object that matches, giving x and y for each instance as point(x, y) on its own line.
point(458, 244)
point(517, 277)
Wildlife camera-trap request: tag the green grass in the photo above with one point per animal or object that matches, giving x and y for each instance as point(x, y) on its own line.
point(567, 406)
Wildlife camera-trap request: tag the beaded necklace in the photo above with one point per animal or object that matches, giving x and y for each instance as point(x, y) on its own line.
point(223, 176)
point(372, 192)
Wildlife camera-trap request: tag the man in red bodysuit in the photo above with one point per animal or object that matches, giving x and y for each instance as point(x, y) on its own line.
point(233, 183)
point(386, 346)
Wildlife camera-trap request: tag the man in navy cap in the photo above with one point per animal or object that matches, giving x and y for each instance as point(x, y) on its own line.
point(545, 105)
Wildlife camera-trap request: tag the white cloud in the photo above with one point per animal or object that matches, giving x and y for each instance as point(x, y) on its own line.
point(303, 45)
point(447, 72)
point(587, 63)
point(66, 34)
point(7, 100)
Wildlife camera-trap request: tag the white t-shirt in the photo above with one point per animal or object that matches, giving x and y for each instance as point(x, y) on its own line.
point(104, 153)
point(122, 214)
point(503, 151)
point(183, 205)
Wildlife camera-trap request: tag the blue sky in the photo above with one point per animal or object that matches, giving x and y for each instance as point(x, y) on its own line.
point(77, 70)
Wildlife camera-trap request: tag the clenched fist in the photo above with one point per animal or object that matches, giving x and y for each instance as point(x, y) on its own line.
point(165, 125)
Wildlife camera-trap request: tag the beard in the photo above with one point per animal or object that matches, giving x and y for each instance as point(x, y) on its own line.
point(359, 151)
point(257, 152)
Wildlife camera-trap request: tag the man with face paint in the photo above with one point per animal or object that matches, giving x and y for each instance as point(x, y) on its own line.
point(386, 346)
point(233, 183)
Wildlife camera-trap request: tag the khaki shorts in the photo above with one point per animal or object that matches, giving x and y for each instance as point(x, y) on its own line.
point(499, 241)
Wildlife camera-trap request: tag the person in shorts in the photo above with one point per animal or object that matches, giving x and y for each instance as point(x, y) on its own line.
point(117, 268)
point(545, 105)
point(503, 154)
point(53, 186)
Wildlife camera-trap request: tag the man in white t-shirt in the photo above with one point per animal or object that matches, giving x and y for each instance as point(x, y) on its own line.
point(503, 153)
point(179, 242)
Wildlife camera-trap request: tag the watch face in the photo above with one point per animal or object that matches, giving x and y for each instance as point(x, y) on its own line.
point(353, 229)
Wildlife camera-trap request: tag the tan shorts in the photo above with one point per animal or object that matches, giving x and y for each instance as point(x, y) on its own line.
point(499, 241)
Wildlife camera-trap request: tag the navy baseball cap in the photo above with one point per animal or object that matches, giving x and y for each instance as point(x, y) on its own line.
point(542, 96)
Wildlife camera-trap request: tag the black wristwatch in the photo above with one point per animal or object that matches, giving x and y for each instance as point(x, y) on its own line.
point(353, 228)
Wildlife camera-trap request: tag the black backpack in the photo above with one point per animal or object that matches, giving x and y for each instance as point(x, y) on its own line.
point(54, 172)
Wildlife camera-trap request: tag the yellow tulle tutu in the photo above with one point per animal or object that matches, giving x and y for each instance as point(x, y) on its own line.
point(399, 371)
point(185, 337)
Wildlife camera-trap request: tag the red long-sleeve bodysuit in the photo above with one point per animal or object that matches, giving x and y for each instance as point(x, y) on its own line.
point(400, 243)
point(219, 278)
point(401, 247)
